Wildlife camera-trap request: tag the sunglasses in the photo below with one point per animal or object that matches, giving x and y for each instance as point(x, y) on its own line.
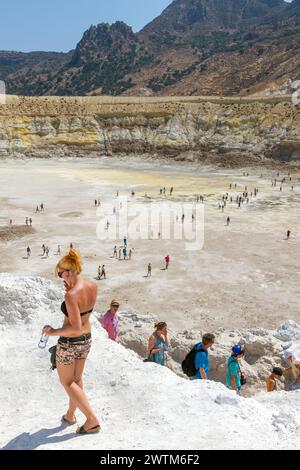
point(115, 306)
point(60, 273)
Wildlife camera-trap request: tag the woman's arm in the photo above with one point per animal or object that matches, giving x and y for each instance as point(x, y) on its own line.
point(151, 344)
point(75, 326)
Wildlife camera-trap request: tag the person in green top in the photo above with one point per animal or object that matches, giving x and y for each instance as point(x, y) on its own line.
point(233, 377)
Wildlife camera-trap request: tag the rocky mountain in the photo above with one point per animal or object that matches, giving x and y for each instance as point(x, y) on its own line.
point(195, 47)
point(30, 73)
point(103, 57)
point(206, 16)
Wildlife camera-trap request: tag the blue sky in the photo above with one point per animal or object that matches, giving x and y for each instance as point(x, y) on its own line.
point(57, 25)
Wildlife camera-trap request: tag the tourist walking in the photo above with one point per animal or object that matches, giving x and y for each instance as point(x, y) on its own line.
point(149, 273)
point(99, 273)
point(110, 321)
point(234, 377)
point(202, 357)
point(115, 252)
point(28, 250)
point(75, 340)
point(103, 272)
point(167, 260)
point(158, 344)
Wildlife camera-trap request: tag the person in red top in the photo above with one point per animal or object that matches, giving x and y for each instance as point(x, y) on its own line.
point(167, 260)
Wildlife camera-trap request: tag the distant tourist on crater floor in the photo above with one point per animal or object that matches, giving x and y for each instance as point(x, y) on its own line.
point(103, 272)
point(149, 273)
point(99, 273)
point(167, 260)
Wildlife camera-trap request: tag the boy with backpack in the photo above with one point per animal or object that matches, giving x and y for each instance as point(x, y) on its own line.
point(196, 363)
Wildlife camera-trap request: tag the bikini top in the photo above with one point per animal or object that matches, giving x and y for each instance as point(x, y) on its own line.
point(65, 311)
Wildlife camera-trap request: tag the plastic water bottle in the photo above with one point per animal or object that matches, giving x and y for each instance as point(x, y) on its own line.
point(43, 341)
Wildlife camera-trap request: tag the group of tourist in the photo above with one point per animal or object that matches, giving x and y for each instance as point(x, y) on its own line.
point(198, 358)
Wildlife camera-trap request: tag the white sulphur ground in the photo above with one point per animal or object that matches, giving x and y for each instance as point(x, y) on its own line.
point(141, 405)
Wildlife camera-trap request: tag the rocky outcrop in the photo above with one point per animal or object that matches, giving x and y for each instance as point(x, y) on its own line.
point(243, 130)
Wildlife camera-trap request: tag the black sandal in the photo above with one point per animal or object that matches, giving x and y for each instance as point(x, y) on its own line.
point(83, 431)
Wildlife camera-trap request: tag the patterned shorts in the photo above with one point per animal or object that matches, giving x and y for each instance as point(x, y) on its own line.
point(67, 353)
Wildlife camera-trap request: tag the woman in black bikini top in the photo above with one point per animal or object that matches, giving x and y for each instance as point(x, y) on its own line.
point(65, 311)
point(75, 339)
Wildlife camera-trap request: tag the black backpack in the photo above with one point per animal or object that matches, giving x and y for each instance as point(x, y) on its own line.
point(188, 364)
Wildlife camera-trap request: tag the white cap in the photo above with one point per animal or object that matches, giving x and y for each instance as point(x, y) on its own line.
point(288, 353)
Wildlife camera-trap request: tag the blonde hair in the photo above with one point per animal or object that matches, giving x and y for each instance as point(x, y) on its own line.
point(70, 262)
point(160, 325)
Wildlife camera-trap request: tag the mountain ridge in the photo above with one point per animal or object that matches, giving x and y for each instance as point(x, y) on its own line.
point(195, 47)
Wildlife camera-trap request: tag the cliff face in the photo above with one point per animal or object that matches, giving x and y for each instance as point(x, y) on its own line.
point(184, 128)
